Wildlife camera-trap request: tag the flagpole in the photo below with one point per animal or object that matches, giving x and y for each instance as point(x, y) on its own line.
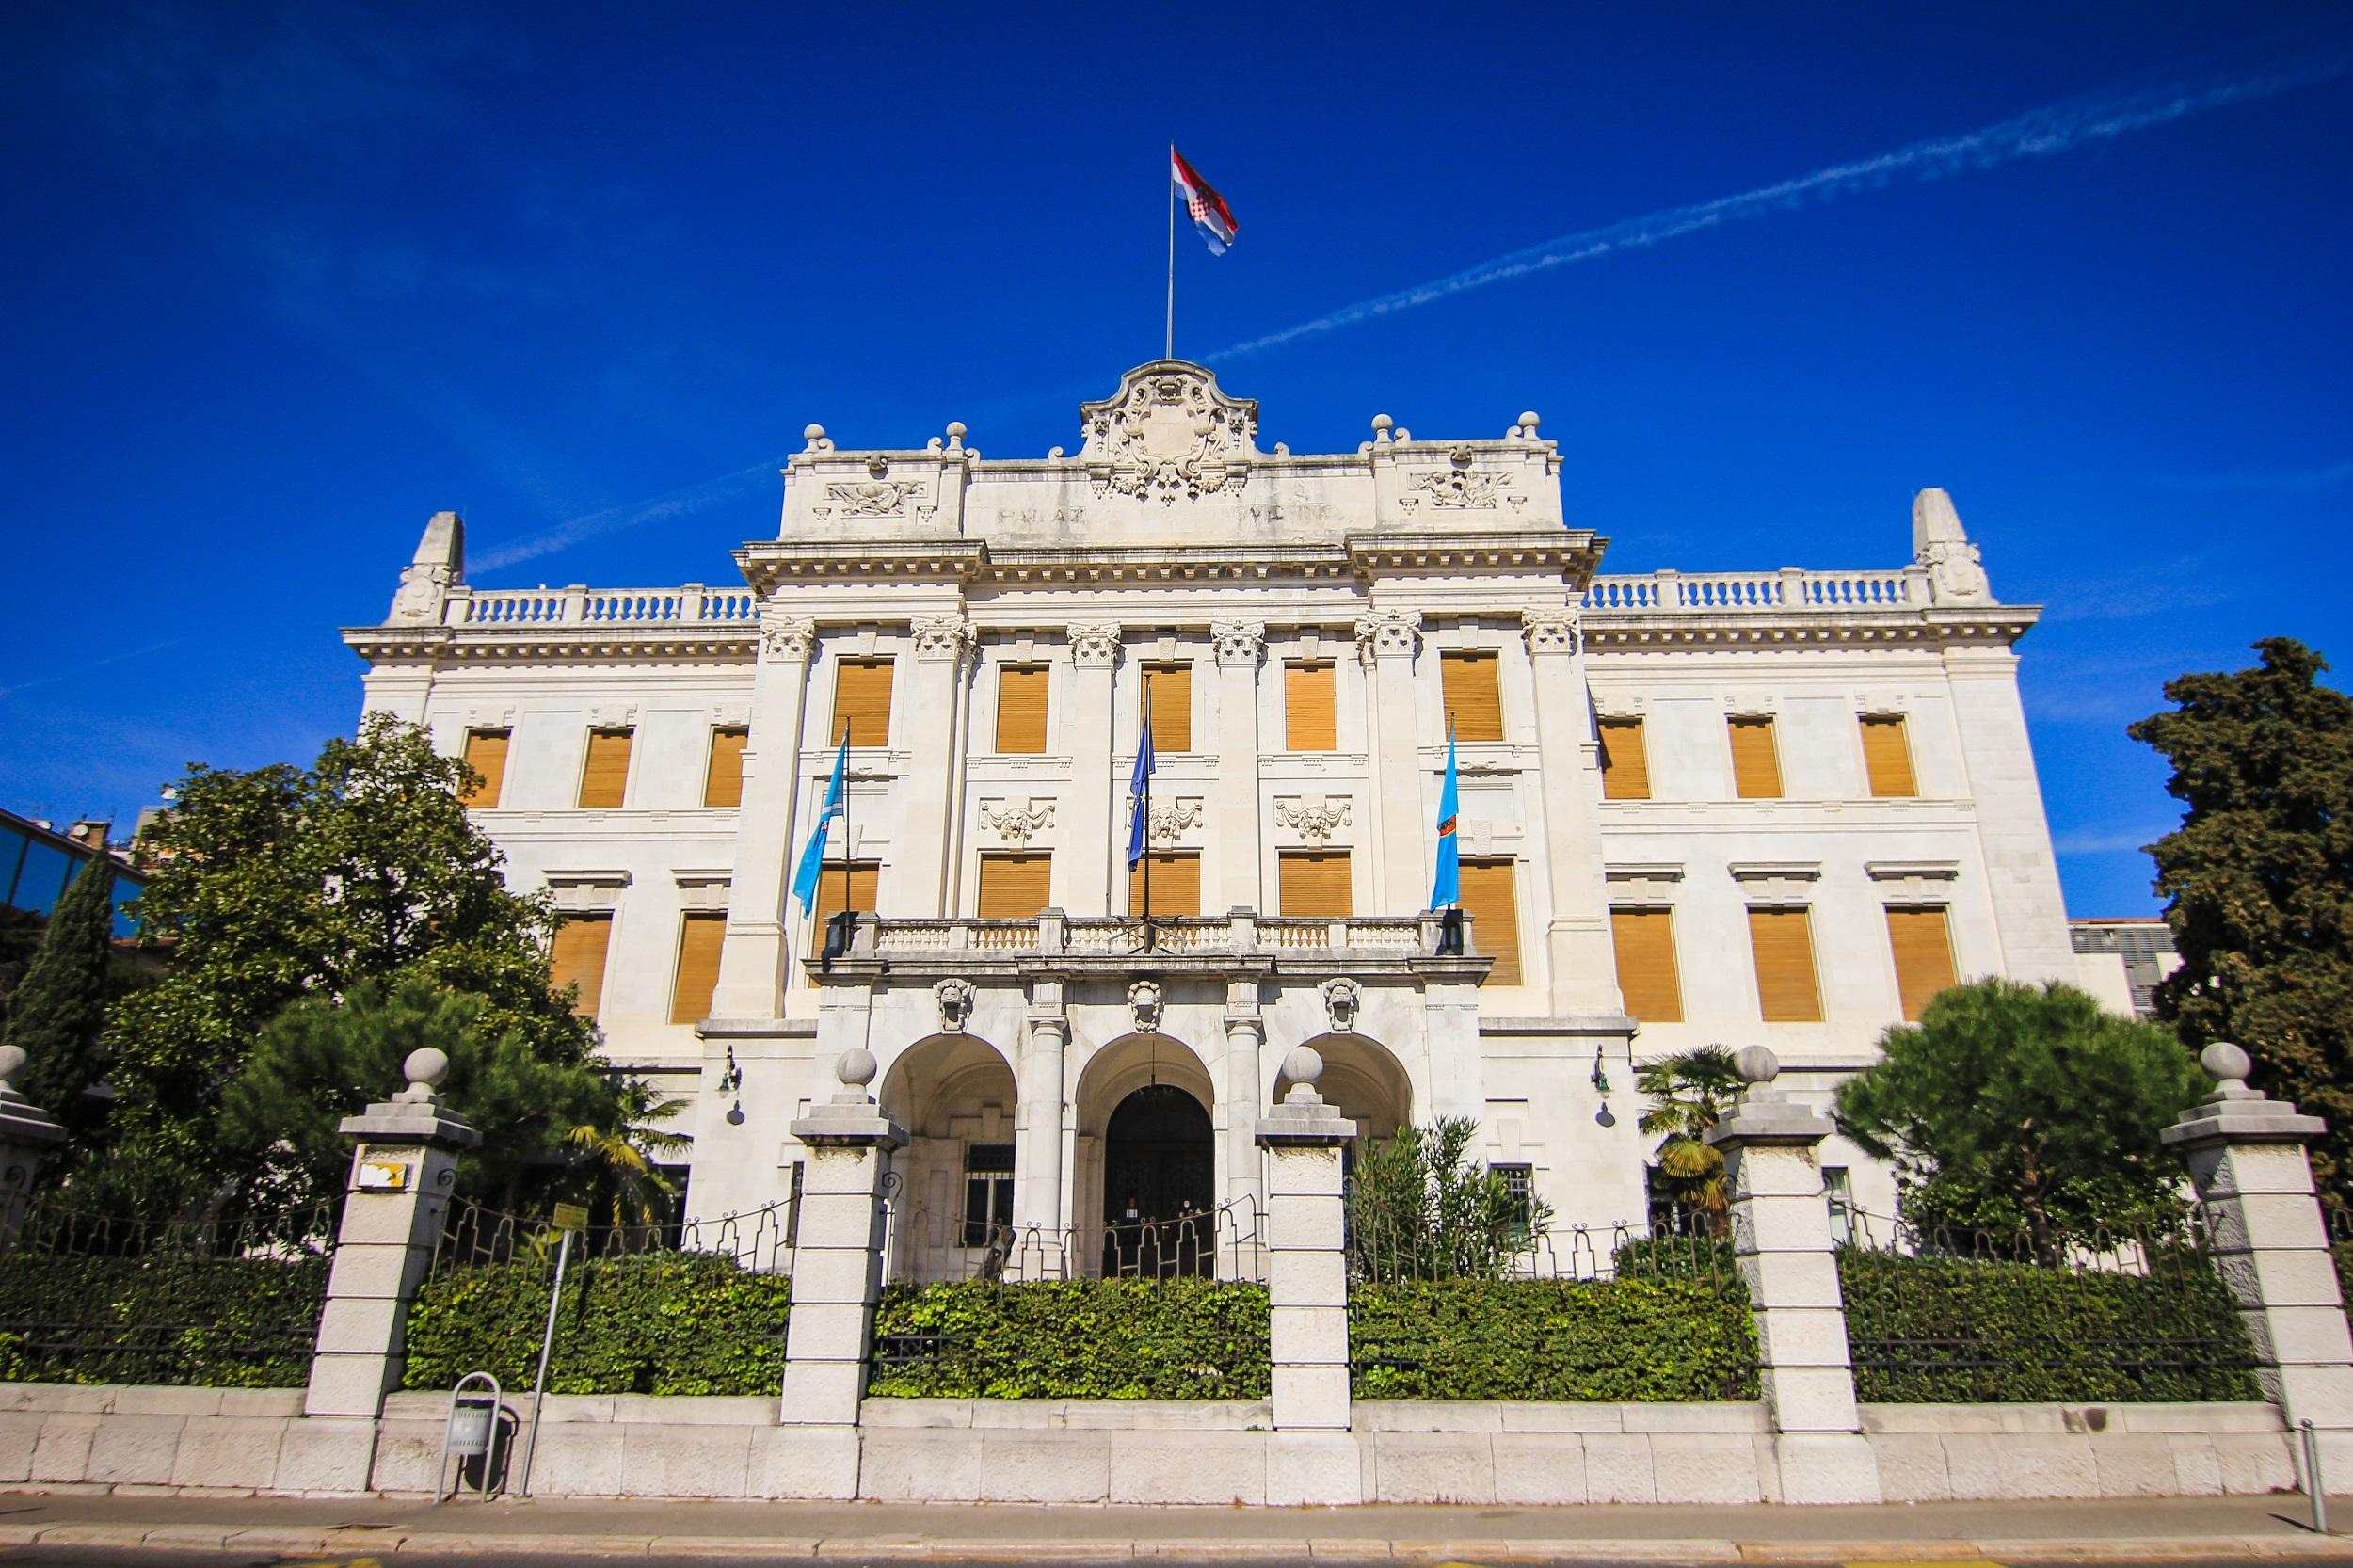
point(1169, 344)
point(849, 924)
point(1147, 808)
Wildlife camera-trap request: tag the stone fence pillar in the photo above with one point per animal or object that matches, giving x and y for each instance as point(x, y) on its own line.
point(837, 1278)
point(27, 1134)
point(2246, 1157)
point(1781, 1236)
point(401, 1175)
point(1312, 1456)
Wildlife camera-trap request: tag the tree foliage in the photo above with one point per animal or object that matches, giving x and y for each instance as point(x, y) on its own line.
point(2260, 879)
point(2014, 1108)
point(1420, 1208)
point(1688, 1093)
point(58, 1008)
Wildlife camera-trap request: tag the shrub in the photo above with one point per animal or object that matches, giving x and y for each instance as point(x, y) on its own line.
point(1073, 1339)
point(240, 1323)
point(658, 1323)
point(1643, 1339)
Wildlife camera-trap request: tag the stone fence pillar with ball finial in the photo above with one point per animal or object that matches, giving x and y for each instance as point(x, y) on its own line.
point(1312, 1457)
point(27, 1133)
point(837, 1279)
point(402, 1172)
point(2270, 1242)
point(1781, 1239)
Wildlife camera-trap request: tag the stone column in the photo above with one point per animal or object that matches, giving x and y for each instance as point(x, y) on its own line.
point(401, 1177)
point(1312, 1457)
point(933, 701)
point(1246, 1033)
point(757, 948)
point(1781, 1238)
point(2246, 1156)
point(1085, 888)
point(1580, 965)
point(1037, 1118)
point(1386, 644)
point(26, 1133)
point(1234, 824)
point(836, 1277)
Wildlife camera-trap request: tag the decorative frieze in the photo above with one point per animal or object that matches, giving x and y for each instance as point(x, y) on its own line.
point(1462, 486)
point(1171, 819)
point(1016, 822)
point(1315, 818)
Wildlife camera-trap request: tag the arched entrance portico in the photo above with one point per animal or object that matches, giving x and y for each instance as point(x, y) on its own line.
point(1160, 1176)
point(1363, 1080)
point(953, 1194)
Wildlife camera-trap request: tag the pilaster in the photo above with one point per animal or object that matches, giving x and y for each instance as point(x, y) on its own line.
point(935, 696)
point(1038, 1120)
point(1245, 1036)
point(1385, 643)
point(752, 963)
point(1234, 817)
point(1582, 966)
point(1085, 888)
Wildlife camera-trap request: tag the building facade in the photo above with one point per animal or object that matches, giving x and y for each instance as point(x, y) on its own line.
point(1778, 806)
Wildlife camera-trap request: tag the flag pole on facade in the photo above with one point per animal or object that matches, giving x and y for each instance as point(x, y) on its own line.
point(1211, 218)
point(812, 864)
point(1445, 889)
point(1139, 799)
point(1168, 348)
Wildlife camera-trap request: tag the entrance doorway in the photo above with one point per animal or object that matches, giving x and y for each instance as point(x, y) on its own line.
point(1160, 1169)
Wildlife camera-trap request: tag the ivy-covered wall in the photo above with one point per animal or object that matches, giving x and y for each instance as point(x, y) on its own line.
point(662, 1323)
point(193, 1323)
point(1073, 1339)
point(1635, 1339)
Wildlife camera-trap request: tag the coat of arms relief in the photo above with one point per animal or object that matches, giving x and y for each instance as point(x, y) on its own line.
point(1168, 432)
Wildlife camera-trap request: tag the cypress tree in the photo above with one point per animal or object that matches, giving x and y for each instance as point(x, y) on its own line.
point(60, 1007)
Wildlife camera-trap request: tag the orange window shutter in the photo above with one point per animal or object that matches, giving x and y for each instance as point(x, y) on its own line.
point(1647, 979)
point(722, 784)
point(862, 877)
point(1171, 691)
point(1175, 886)
point(1887, 756)
point(700, 936)
point(1491, 897)
point(485, 752)
point(577, 958)
point(1783, 941)
point(1016, 887)
point(1474, 702)
point(1314, 883)
point(1625, 761)
point(1755, 763)
point(1021, 709)
point(1923, 943)
point(604, 777)
point(861, 700)
point(1309, 720)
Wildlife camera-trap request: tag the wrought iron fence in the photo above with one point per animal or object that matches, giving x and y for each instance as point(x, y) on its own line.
point(1392, 1249)
point(2340, 1222)
point(1944, 1315)
point(474, 1236)
point(925, 1246)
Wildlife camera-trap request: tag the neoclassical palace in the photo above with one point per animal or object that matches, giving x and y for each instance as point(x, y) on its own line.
point(1778, 806)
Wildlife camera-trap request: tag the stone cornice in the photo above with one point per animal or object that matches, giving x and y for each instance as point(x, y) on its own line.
point(767, 563)
point(1619, 630)
point(1574, 553)
point(445, 644)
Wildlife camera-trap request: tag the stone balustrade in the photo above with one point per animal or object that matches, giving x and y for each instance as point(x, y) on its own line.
point(1121, 935)
point(1759, 592)
point(581, 606)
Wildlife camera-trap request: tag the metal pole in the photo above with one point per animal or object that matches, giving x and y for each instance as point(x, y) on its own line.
point(1169, 347)
point(2316, 1486)
point(546, 1347)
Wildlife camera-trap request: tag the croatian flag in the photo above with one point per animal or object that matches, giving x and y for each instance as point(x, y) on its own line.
point(1211, 216)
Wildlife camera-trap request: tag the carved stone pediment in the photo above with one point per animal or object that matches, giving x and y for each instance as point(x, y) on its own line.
point(1168, 432)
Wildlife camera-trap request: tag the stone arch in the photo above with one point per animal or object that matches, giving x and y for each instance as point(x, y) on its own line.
point(1364, 1079)
point(955, 1095)
point(1112, 1074)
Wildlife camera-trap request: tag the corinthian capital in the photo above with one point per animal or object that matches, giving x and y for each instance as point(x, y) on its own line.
point(942, 636)
point(1094, 647)
point(1391, 633)
point(1550, 631)
point(788, 639)
point(1238, 642)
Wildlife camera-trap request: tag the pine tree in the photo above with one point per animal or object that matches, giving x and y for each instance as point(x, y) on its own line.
point(2260, 879)
point(59, 1010)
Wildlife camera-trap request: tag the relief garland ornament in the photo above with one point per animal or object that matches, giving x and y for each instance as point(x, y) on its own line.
point(1169, 818)
point(1016, 824)
point(1316, 820)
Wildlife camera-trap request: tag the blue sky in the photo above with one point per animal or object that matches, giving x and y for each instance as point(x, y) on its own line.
point(285, 279)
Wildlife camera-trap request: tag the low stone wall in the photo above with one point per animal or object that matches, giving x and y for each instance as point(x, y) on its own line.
point(60, 1437)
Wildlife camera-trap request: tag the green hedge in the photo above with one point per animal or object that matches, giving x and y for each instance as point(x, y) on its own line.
point(1941, 1331)
point(208, 1323)
point(1073, 1339)
point(660, 1324)
point(1646, 1339)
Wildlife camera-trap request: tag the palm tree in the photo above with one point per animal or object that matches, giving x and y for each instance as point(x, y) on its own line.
point(1689, 1091)
point(620, 1158)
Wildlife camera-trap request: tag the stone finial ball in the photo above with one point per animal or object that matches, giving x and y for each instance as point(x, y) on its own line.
point(13, 1060)
point(2224, 1062)
point(1383, 422)
point(956, 429)
point(1756, 1064)
point(857, 1067)
point(813, 433)
point(427, 1065)
point(1303, 1064)
point(1528, 421)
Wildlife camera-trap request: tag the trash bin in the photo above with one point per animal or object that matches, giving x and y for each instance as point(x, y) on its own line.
point(471, 1425)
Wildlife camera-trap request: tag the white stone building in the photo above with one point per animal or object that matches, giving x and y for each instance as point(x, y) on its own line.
point(1774, 807)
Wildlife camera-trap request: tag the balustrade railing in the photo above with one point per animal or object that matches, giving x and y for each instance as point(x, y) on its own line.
point(1738, 592)
point(1123, 935)
point(691, 606)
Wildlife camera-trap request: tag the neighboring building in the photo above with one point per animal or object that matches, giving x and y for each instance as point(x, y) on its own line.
point(2121, 960)
point(1713, 807)
point(37, 863)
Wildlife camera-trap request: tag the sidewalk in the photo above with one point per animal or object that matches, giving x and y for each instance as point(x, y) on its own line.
point(2138, 1530)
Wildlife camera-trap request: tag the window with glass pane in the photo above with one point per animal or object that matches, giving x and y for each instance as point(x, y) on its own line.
point(987, 1191)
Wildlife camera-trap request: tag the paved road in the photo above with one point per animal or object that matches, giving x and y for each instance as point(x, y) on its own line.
point(159, 1557)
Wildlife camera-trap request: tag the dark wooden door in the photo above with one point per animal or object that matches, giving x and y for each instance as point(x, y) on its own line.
point(1160, 1173)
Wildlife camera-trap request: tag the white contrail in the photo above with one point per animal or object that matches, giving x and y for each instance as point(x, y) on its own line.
point(2039, 133)
point(614, 519)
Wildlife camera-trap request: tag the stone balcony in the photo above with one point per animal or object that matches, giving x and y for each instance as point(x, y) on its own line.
point(1240, 941)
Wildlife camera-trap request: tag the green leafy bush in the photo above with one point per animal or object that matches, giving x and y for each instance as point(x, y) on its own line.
point(1646, 1339)
point(246, 1322)
point(658, 1323)
point(1942, 1330)
point(1073, 1339)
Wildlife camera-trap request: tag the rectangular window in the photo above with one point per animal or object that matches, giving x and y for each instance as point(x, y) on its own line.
point(604, 777)
point(485, 752)
point(1474, 703)
point(1647, 979)
point(723, 781)
point(1923, 956)
point(1021, 709)
point(1625, 761)
point(861, 878)
point(699, 939)
point(1783, 941)
point(1169, 689)
point(1016, 887)
point(1175, 885)
point(1309, 722)
point(1755, 763)
point(987, 1191)
point(861, 702)
point(1314, 882)
point(577, 958)
point(1839, 1193)
point(1519, 1188)
point(1493, 903)
point(1887, 756)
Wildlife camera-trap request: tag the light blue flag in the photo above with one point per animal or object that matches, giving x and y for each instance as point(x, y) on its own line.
point(1140, 786)
point(1445, 890)
point(837, 804)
